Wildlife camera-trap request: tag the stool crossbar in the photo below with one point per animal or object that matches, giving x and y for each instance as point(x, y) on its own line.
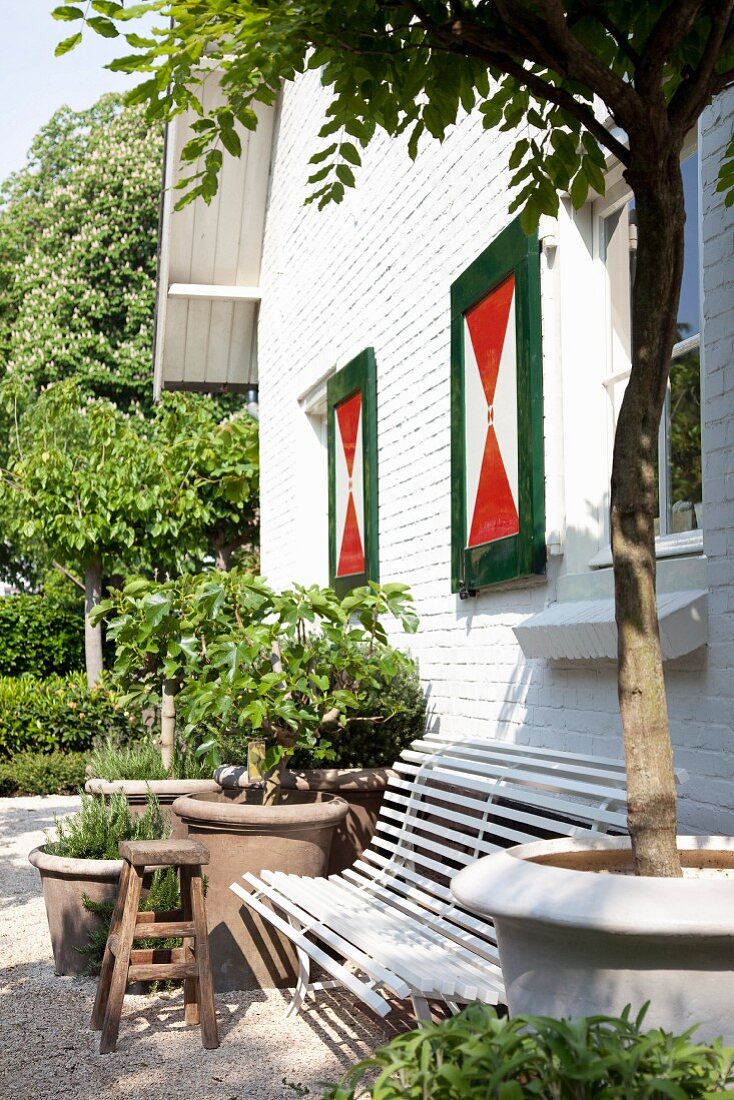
point(124, 963)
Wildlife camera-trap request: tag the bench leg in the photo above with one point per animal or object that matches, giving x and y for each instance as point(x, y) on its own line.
point(421, 1009)
point(302, 983)
point(108, 962)
point(111, 1025)
point(190, 985)
point(207, 1010)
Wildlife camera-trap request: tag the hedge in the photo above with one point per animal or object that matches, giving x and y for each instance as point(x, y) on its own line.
point(43, 773)
point(59, 713)
point(40, 636)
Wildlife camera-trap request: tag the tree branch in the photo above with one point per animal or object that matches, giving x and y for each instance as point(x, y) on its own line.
point(671, 27)
point(690, 98)
point(69, 576)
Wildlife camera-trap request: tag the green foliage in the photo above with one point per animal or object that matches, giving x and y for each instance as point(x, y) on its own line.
point(254, 661)
point(163, 894)
point(142, 760)
point(60, 713)
point(96, 830)
point(43, 773)
point(410, 69)
point(86, 481)
point(390, 716)
point(40, 636)
point(78, 244)
point(476, 1055)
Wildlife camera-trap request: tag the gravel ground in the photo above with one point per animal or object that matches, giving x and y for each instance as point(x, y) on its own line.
point(47, 1049)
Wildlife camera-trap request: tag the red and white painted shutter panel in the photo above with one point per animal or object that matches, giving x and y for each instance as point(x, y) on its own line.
point(349, 487)
point(490, 417)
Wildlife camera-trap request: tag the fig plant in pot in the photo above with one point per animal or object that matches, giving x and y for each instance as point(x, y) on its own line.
point(279, 671)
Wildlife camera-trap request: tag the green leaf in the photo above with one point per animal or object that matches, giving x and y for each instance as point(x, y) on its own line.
point(102, 26)
point(579, 190)
point(67, 12)
point(345, 174)
point(68, 44)
point(350, 153)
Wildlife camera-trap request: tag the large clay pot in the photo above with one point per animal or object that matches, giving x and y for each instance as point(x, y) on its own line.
point(64, 881)
point(361, 788)
point(166, 791)
point(579, 934)
point(243, 835)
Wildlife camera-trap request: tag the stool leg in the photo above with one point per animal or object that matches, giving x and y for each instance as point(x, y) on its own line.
point(209, 1033)
point(111, 1025)
point(108, 962)
point(191, 985)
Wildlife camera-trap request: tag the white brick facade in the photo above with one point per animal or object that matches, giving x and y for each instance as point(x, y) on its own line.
point(376, 271)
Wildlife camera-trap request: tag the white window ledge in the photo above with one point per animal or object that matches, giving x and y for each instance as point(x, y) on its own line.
point(666, 546)
point(586, 630)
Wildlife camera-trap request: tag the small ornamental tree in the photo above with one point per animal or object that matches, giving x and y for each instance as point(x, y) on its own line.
point(286, 668)
point(628, 78)
point(105, 493)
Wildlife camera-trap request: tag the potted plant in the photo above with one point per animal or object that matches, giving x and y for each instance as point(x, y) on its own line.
point(80, 859)
point(281, 671)
point(136, 770)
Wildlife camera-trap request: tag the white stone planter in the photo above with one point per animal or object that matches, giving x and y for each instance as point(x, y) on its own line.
point(576, 940)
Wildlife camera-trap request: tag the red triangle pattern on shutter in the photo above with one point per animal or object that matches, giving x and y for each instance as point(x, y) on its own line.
point(495, 515)
point(351, 549)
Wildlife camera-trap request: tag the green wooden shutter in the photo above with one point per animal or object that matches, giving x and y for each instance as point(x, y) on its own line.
point(498, 513)
point(351, 399)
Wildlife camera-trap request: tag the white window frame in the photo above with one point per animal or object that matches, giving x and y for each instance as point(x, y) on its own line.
point(618, 193)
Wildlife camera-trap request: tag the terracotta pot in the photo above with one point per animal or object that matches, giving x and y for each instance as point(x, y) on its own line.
point(242, 835)
point(574, 942)
point(361, 788)
point(166, 791)
point(64, 881)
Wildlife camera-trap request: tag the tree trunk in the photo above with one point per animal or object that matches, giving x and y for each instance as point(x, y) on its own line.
point(651, 794)
point(168, 722)
point(92, 634)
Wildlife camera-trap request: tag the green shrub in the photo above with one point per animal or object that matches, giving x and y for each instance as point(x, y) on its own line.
point(59, 713)
point(40, 636)
point(391, 716)
point(142, 760)
point(96, 830)
point(43, 773)
point(478, 1056)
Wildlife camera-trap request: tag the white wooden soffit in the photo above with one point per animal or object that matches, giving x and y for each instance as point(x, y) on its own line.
point(585, 629)
point(208, 289)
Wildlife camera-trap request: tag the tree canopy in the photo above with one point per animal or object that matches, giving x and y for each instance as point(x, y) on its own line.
point(78, 244)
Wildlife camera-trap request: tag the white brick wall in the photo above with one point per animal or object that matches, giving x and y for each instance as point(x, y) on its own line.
point(376, 270)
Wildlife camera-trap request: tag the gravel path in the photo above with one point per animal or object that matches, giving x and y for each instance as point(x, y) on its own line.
point(47, 1049)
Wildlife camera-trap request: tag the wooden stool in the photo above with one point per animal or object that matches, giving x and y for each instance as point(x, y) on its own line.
point(122, 963)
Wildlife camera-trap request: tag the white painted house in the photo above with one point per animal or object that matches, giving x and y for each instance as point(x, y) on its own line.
point(437, 401)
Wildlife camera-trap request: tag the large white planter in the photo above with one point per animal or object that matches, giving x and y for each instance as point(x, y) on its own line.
point(577, 937)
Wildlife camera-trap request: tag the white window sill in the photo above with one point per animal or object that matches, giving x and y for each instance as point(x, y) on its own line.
point(681, 545)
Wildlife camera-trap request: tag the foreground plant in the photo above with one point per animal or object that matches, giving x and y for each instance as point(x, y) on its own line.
point(477, 1056)
point(286, 668)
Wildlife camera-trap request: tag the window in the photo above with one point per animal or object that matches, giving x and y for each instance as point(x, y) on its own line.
point(498, 515)
point(680, 506)
point(351, 401)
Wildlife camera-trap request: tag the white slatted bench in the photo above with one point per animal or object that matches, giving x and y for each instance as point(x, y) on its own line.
point(391, 917)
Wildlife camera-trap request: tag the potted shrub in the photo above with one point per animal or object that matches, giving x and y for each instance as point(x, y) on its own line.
point(281, 671)
point(80, 858)
point(136, 770)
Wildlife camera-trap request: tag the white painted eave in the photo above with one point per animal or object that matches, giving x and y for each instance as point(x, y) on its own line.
point(208, 290)
point(586, 630)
